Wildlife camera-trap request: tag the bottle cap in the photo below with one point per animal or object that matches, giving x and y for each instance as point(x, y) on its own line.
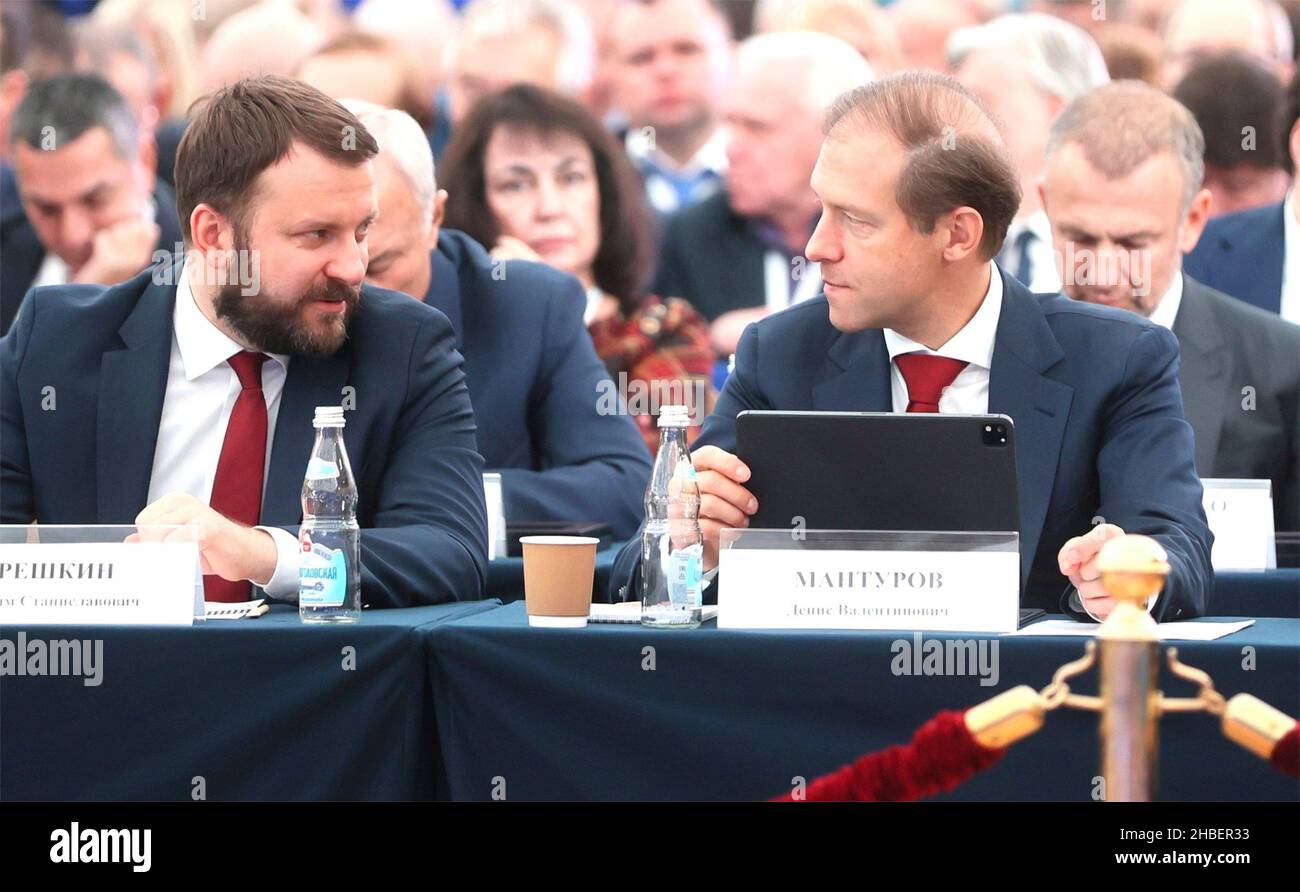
point(674, 416)
point(328, 416)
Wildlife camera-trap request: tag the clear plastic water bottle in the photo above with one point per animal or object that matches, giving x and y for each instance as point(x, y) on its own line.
point(329, 567)
point(672, 548)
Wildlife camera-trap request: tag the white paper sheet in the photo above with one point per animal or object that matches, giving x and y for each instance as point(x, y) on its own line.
point(1187, 631)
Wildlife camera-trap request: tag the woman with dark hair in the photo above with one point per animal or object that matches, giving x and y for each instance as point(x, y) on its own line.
point(535, 176)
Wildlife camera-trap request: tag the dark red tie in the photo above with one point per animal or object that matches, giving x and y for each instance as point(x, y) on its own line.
point(237, 486)
point(927, 377)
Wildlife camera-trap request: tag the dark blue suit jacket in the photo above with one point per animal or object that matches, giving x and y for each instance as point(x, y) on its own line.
point(534, 378)
point(1099, 423)
point(22, 252)
point(102, 354)
point(1242, 254)
point(728, 276)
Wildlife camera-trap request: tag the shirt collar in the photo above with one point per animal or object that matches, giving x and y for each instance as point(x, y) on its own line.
point(712, 156)
point(1167, 310)
point(202, 345)
point(973, 344)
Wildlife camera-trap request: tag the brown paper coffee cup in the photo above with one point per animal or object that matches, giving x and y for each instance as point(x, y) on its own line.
point(558, 575)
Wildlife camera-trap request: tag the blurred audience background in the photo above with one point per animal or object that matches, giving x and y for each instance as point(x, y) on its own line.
point(657, 150)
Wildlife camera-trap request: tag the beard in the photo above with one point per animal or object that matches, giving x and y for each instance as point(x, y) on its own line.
point(272, 323)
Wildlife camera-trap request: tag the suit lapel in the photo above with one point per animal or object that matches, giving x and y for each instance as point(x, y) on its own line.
point(1204, 364)
point(311, 382)
point(855, 377)
point(132, 386)
point(1023, 350)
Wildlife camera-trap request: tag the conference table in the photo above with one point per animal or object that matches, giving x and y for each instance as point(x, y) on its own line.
point(621, 712)
point(250, 709)
point(1256, 593)
point(465, 700)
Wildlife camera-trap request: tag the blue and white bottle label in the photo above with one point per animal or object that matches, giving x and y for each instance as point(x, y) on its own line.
point(321, 469)
point(685, 566)
point(322, 576)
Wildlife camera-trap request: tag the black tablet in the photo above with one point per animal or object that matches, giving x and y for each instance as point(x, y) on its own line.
point(880, 471)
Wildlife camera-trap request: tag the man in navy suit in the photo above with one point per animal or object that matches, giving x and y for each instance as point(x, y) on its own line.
point(1255, 254)
point(186, 394)
point(916, 317)
point(531, 368)
point(84, 204)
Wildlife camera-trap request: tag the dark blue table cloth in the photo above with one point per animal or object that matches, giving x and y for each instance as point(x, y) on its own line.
point(1267, 593)
point(576, 714)
point(260, 709)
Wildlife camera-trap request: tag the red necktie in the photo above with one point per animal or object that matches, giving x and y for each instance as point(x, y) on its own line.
point(927, 377)
point(237, 486)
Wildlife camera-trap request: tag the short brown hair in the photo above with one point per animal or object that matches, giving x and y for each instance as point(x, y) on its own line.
point(1120, 126)
point(627, 226)
point(955, 153)
point(242, 129)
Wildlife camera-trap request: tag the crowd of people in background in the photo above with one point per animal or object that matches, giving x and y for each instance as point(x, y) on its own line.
point(659, 152)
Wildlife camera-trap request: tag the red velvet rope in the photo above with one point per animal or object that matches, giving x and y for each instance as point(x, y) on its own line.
point(1286, 752)
point(941, 756)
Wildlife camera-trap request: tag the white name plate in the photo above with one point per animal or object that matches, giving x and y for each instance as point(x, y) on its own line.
point(1240, 514)
point(928, 591)
point(98, 583)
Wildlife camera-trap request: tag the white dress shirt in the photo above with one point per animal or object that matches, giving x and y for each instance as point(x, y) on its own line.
point(594, 297)
point(1044, 278)
point(973, 344)
point(1290, 309)
point(1167, 310)
point(709, 159)
point(200, 396)
point(53, 271)
point(780, 289)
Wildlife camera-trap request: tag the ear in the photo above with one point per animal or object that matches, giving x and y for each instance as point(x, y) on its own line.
point(1295, 149)
point(1041, 186)
point(439, 212)
point(211, 235)
point(1198, 214)
point(964, 229)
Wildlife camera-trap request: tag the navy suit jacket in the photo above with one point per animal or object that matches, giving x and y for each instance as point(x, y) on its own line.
point(102, 354)
point(22, 252)
point(535, 381)
point(1242, 254)
point(728, 276)
point(1093, 392)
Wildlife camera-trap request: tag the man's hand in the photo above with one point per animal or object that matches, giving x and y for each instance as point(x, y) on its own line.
point(1078, 560)
point(725, 332)
point(510, 248)
point(723, 501)
point(228, 549)
point(119, 252)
